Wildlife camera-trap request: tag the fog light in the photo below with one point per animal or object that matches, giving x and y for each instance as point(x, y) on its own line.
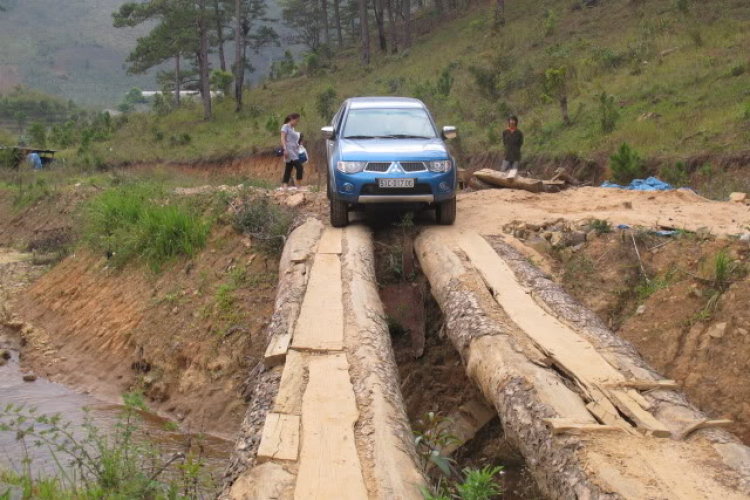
point(348, 187)
point(444, 186)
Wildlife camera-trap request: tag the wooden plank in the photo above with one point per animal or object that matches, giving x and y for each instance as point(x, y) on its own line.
point(280, 438)
point(289, 398)
point(277, 350)
point(648, 385)
point(703, 424)
point(568, 426)
point(320, 326)
point(329, 465)
point(268, 481)
point(572, 353)
point(330, 243)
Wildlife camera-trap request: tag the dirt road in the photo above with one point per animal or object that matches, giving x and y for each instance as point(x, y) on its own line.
point(488, 211)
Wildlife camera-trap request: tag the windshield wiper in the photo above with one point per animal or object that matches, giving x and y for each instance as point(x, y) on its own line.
point(360, 137)
point(405, 136)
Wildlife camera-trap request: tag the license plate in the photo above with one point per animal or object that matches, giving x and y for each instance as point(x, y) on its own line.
point(396, 183)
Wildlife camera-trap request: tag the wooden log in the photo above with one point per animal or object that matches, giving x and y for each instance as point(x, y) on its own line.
point(499, 358)
point(262, 383)
point(383, 431)
point(567, 426)
point(464, 423)
point(671, 407)
point(703, 424)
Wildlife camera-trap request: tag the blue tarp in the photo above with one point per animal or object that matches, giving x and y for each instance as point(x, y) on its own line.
point(650, 184)
point(35, 160)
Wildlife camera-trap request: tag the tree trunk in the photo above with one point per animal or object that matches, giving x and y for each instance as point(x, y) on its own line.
point(407, 23)
point(203, 64)
point(178, 80)
point(440, 7)
point(239, 60)
point(392, 25)
point(337, 15)
point(564, 110)
point(497, 314)
point(220, 36)
point(324, 16)
point(380, 24)
point(500, 13)
point(364, 27)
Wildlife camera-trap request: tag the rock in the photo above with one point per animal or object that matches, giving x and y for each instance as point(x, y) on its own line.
point(718, 330)
point(742, 331)
point(641, 310)
point(539, 244)
point(4, 354)
point(3, 361)
point(576, 238)
point(591, 235)
point(29, 377)
point(295, 200)
point(745, 238)
point(557, 239)
point(697, 293)
point(703, 233)
point(738, 197)
point(649, 116)
point(547, 235)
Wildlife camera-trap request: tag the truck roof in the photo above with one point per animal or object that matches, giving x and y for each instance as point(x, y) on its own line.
point(384, 102)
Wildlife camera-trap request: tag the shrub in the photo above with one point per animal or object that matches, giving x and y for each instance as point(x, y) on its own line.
point(486, 80)
point(676, 174)
point(268, 223)
point(273, 124)
point(325, 102)
point(608, 113)
point(128, 223)
point(312, 64)
point(550, 23)
point(746, 112)
point(696, 35)
point(445, 82)
point(682, 6)
point(626, 165)
point(737, 70)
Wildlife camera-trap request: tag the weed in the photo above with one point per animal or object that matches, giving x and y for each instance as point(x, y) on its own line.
point(577, 269)
point(268, 223)
point(626, 165)
point(170, 426)
point(95, 464)
point(550, 23)
point(682, 6)
point(696, 35)
point(646, 288)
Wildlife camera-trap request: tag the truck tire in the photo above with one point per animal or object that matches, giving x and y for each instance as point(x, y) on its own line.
point(445, 212)
point(339, 213)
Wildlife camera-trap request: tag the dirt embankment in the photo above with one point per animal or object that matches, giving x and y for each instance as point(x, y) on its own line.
point(185, 337)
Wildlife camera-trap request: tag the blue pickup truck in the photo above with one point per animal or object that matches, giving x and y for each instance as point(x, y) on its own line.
point(388, 150)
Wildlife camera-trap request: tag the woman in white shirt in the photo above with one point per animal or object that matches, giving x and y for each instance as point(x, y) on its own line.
point(290, 144)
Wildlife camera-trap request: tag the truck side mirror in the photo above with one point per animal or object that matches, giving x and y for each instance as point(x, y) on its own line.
point(450, 132)
point(328, 133)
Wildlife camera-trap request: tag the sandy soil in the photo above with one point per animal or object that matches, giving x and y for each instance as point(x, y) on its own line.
point(487, 211)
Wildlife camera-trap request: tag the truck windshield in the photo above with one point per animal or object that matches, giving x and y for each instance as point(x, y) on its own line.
point(388, 123)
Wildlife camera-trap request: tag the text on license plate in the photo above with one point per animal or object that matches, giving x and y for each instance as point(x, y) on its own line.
point(396, 183)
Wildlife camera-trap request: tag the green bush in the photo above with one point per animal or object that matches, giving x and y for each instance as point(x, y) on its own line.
point(486, 79)
point(135, 223)
point(737, 70)
point(273, 124)
point(626, 165)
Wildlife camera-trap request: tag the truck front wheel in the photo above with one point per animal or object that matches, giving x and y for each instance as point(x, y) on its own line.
point(339, 213)
point(445, 212)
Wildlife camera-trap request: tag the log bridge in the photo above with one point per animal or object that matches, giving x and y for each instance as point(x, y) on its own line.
point(326, 418)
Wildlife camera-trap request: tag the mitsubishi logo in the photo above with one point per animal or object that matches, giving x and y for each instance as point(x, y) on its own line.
point(396, 167)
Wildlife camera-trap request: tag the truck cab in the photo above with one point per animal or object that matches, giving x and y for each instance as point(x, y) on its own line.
point(388, 150)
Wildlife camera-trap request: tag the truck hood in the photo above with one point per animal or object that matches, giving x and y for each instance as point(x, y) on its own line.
point(393, 149)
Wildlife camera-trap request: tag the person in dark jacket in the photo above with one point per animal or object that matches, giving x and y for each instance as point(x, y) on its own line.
point(513, 141)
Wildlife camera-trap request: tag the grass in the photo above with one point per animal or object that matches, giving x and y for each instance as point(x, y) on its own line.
point(617, 48)
point(138, 223)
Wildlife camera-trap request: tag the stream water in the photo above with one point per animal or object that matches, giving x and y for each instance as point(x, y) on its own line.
point(50, 398)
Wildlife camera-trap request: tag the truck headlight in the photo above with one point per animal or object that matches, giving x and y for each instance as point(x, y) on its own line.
point(440, 166)
point(351, 167)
